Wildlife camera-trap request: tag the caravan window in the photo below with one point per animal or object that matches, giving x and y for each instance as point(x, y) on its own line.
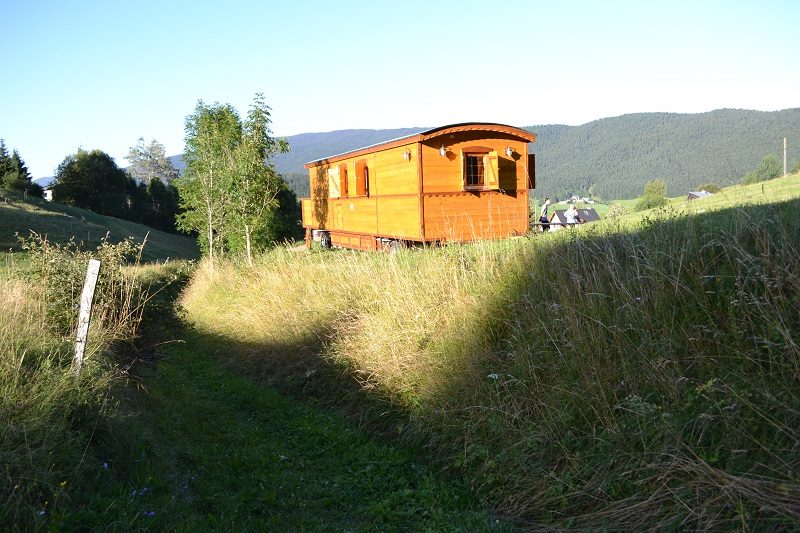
point(477, 161)
point(473, 170)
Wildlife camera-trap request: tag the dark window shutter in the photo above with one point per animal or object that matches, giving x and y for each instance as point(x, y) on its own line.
point(531, 171)
point(343, 178)
point(361, 178)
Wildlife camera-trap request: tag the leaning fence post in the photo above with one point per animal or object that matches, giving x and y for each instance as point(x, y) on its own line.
point(86, 311)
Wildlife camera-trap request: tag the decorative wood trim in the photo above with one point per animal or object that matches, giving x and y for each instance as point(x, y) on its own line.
point(374, 197)
point(468, 192)
point(420, 193)
point(517, 133)
point(476, 150)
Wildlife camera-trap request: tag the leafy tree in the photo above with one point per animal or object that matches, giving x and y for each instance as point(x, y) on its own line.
point(212, 135)
point(796, 167)
point(257, 183)
point(92, 180)
point(34, 189)
point(230, 185)
point(138, 201)
point(299, 183)
point(285, 222)
point(767, 169)
point(163, 205)
point(148, 162)
point(655, 195)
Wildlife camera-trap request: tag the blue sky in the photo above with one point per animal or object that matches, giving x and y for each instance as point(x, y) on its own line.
point(100, 74)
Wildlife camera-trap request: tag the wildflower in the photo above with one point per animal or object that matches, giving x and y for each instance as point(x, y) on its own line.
point(150, 513)
point(493, 376)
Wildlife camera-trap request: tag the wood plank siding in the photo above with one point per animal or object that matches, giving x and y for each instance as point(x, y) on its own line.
point(407, 190)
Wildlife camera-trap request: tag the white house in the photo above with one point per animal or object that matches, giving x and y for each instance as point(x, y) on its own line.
point(694, 195)
point(559, 221)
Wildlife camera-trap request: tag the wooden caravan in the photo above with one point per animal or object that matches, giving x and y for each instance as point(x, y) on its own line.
point(455, 183)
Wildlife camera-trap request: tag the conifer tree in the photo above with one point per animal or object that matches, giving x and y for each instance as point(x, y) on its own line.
point(5, 160)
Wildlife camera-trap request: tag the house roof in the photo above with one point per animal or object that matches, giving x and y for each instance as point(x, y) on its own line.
point(588, 215)
point(433, 133)
point(700, 194)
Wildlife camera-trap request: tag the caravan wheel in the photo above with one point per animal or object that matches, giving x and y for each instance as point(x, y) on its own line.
point(325, 240)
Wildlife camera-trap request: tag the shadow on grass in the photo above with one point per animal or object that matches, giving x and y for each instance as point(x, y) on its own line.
point(609, 376)
point(618, 375)
point(607, 379)
point(229, 451)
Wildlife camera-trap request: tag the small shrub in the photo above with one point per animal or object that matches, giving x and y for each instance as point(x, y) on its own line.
point(60, 270)
point(655, 195)
point(616, 211)
point(767, 169)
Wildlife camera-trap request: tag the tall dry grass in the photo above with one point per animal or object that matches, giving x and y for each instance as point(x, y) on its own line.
point(54, 423)
point(46, 410)
point(646, 378)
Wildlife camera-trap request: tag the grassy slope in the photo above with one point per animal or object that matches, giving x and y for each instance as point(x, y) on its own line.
point(60, 223)
point(636, 374)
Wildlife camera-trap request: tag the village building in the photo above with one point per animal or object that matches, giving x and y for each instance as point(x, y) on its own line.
point(694, 195)
point(558, 219)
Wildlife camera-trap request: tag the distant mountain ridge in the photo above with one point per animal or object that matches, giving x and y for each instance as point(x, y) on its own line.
point(616, 156)
point(609, 157)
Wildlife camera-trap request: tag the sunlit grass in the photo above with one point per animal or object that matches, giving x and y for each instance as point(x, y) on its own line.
point(599, 377)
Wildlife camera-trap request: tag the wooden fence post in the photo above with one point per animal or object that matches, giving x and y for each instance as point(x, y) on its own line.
point(86, 311)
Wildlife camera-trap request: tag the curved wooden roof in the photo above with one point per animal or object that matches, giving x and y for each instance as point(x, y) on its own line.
point(520, 134)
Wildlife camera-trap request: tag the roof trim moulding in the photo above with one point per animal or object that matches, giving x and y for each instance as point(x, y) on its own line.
point(520, 134)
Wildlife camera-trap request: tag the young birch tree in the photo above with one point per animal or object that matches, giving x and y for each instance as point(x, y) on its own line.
point(257, 184)
point(149, 162)
point(213, 134)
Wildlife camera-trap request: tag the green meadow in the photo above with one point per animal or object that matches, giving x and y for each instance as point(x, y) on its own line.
point(637, 373)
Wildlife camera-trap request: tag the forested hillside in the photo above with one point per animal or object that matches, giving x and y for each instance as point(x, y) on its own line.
point(610, 157)
point(615, 157)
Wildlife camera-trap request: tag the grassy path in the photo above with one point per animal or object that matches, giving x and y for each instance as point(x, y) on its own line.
point(222, 453)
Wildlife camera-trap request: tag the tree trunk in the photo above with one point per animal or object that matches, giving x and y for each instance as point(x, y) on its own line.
point(247, 244)
point(211, 238)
